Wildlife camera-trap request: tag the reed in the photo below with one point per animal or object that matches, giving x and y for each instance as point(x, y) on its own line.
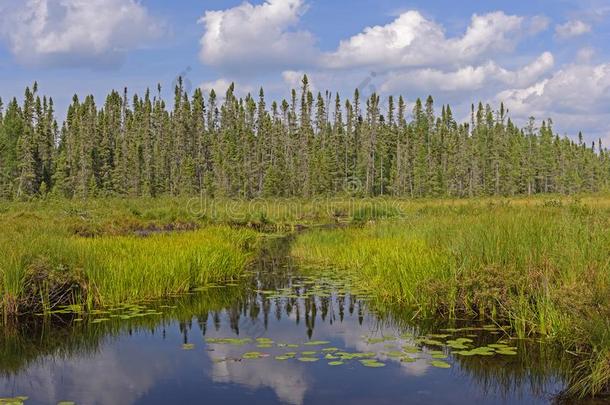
point(46, 260)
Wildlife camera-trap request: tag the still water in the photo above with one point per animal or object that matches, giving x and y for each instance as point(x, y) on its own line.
point(281, 335)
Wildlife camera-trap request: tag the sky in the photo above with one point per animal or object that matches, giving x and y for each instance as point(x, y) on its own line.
point(541, 58)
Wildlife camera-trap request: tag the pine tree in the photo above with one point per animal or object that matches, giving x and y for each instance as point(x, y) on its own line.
point(305, 146)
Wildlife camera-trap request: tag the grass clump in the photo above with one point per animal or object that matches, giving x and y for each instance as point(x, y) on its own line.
point(129, 268)
point(96, 254)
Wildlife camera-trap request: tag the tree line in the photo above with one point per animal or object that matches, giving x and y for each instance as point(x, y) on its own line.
point(308, 145)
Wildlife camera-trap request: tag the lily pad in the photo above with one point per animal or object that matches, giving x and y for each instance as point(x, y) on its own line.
point(228, 341)
point(372, 363)
point(308, 359)
point(188, 346)
point(316, 343)
point(13, 400)
point(311, 353)
point(440, 364)
point(253, 355)
point(336, 363)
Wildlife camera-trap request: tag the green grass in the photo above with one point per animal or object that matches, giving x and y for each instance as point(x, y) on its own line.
point(543, 267)
point(104, 253)
point(129, 268)
point(541, 263)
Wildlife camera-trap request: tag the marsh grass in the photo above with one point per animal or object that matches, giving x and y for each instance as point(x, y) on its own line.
point(96, 253)
point(129, 268)
point(545, 268)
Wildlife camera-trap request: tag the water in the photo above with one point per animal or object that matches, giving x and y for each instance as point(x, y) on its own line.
point(165, 355)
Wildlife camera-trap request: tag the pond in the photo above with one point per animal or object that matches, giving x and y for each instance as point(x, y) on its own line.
point(281, 335)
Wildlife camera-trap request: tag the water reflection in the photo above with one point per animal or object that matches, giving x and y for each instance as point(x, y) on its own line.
point(140, 360)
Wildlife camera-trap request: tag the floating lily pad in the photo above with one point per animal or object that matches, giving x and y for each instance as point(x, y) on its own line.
point(506, 352)
point(253, 355)
point(411, 349)
point(228, 341)
point(282, 358)
point(438, 335)
point(308, 359)
point(336, 363)
point(440, 364)
point(439, 356)
point(330, 349)
point(465, 353)
point(317, 343)
point(310, 353)
point(188, 346)
point(372, 363)
point(407, 359)
point(394, 354)
point(13, 400)
point(430, 342)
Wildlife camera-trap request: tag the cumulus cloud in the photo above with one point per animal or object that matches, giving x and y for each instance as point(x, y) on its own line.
point(294, 79)
point(413, 40)
point(573, 28)
point(256, 36)
point(468, 78)
point(75, 32)
point(577, 97)
point(221, 85)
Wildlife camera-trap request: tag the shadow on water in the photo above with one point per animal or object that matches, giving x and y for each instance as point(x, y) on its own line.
point(198, 346)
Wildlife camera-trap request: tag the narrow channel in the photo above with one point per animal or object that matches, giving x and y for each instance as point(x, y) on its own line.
point(283, 334)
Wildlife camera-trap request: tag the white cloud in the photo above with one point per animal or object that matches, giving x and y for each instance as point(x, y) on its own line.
point(572, 29)
point(221, 85)
point(75, 32)
point(256, 36)
point(585, 54)
point(468, 78)
point(294, 79)
point(412, 40)
point(577, 97)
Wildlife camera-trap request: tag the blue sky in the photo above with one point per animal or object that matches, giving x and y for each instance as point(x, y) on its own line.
point(547, 58)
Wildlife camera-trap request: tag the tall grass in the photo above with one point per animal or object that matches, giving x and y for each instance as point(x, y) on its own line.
point(545, 268)
point(45, 260)
point(128, 268)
